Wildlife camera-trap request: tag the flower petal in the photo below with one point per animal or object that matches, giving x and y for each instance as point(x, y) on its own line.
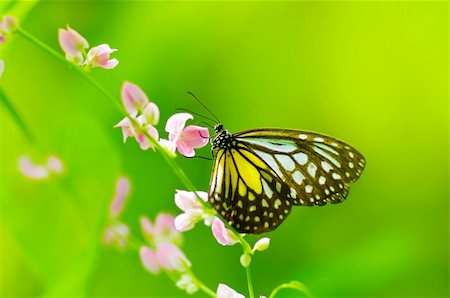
point(184, 222)
point(192, 137)
point(224, 291)
point(122, 192)
point(151, 113)
point(127, 128)
point(172, 258)
point(54, 164)
point(143, 140)
point(2, 67)
point(72, 43)
point(99, 57)
point(186, 200)
point(9, 24)
point(222, 234)
point(147, 228)
point(133, 98)
point(31, 170)
point(187, 283)
point(176, 123)
point(165, 228)
point(149, 259)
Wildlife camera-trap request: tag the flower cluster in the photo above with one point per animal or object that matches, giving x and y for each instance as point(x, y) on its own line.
point(31, 170)
point(8, 25)
point(75, 46)
point(116, 232)
point(162, 251)
point(142, 117)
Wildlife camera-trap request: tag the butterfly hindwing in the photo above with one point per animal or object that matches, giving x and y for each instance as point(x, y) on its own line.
point(248, 194)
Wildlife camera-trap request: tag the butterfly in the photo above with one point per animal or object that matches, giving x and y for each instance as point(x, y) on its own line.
point(259, 174)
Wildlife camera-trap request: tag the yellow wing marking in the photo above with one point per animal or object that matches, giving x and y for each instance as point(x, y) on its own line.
point(248, 172)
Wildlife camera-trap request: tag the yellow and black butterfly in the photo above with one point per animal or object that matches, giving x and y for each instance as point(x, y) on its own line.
point(260, 174)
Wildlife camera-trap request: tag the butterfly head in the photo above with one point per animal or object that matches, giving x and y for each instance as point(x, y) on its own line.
point(221, 137)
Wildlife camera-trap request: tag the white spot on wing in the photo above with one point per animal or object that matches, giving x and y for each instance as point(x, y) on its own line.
point(326, 147)
point(270, 161)
point(301, 158)
point(285, 146)
point(298, 177)
point(322, 180)
point(326, 166)
point(327, 156)
point(312, 168)
point(302, 136)
point(267, 189)
point(286, 162)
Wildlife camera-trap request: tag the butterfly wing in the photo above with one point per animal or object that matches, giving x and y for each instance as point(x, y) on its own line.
point(318, 169)
point(247, 192)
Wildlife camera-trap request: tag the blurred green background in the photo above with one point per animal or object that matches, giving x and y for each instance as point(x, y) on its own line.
point(371, 73)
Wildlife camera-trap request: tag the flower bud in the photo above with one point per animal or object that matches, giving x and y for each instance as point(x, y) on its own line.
point(186, 283)
point(262, 244)
point(245, 260)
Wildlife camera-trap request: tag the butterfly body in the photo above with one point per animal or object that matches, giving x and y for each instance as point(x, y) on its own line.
point(260, 174)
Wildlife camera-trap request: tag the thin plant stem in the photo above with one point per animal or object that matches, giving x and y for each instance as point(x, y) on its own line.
point(295, 285)
point(169, 159)
point(249, 282)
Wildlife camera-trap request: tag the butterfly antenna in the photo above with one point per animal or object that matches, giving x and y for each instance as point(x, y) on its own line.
point(196, 114)
point(205, 107)
point(206, 123)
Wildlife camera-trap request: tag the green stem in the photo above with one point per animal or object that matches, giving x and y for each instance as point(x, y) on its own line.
point(295, 285)
point(249, 282)
point(16, 117)
point(204, 288)
point(171, 162)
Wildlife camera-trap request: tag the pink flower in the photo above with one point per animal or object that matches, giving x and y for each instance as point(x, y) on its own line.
point(186, 139)
point(224, 291)
point(122, 192)
point(99, 57)
point(143, 140)
point(222, 234)
point(129, 130)
point(8, 24)
point(117, 235)
point(172, 258)
point(135, 100)
point(73, 45)
point(151, 113)
point(193, 209)
point(187, 283)
point(162, 231)
point(40, 171)
point(32, 170)
point(54, 164)
point(149, 259)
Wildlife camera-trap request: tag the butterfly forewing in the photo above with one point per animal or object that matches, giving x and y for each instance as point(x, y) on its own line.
point(318, 168)
point(259, 174)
